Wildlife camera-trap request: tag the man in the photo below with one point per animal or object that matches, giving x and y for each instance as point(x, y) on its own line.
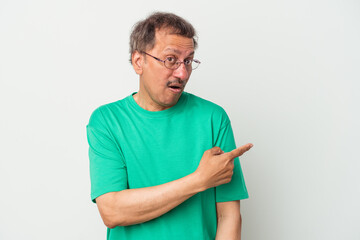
point(162, 163)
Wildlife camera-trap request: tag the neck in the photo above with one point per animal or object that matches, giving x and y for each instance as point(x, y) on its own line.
point(147, 103)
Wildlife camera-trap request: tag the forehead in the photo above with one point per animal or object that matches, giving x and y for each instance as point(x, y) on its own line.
point(165, 40)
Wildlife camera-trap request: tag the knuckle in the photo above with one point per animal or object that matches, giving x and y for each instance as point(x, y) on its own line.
point(215, 150)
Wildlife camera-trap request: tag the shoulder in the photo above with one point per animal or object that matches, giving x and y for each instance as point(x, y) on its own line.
point(196, 101)
point(105, 112)
point(208, 108)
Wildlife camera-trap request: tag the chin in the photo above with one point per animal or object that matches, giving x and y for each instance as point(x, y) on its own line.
point(169, 104)
point(169, 100)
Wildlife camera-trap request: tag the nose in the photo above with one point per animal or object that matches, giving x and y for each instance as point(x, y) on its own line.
point(182, 72)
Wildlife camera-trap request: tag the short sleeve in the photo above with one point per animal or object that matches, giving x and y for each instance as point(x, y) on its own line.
point(107, 167)
point(236, 189)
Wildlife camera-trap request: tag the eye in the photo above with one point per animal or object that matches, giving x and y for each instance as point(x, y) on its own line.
point(171, 60)
point(188, 62)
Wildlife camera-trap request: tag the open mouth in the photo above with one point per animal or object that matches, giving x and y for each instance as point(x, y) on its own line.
point(175, 87)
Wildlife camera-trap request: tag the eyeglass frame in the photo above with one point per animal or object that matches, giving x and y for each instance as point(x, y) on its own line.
point(178, 63)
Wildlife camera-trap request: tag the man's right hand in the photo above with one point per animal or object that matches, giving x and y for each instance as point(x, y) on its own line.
point(216, 167)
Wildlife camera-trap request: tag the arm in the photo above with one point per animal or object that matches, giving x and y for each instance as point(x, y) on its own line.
point(133, 206)
point(229, 220)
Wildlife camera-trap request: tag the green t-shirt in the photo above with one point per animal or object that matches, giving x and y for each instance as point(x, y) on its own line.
point(131, 147)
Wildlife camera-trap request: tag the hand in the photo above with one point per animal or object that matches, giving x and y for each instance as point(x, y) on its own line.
point(216, 167)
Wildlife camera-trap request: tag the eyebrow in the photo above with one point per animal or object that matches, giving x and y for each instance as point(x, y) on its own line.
point(177, 51)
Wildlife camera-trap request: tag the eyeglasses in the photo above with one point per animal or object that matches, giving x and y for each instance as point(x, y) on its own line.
point(173, 63)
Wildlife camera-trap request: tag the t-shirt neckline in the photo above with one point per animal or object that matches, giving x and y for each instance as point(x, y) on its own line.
point(158, 114)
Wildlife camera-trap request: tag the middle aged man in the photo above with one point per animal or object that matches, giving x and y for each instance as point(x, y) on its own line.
point(162, 163)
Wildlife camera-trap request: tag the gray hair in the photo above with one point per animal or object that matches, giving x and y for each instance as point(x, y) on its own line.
point(142, 37)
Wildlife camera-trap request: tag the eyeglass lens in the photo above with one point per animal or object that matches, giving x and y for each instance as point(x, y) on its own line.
point(176, 64)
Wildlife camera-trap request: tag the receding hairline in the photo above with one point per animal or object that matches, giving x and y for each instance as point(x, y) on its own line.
point(142, 37)
point(168, 30)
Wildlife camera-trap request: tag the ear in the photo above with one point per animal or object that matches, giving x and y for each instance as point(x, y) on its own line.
point(137, 60)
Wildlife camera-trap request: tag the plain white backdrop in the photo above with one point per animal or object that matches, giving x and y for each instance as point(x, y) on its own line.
point(286, 72)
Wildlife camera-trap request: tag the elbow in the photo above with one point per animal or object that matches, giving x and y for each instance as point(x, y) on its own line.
point(109, 224)
point(111, 214)
point(114, 210)
point(112, 222)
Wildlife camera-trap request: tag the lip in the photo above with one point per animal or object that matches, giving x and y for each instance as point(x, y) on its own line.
point(176, 90)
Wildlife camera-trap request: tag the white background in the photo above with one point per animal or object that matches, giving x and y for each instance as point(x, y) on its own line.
point(286, 72)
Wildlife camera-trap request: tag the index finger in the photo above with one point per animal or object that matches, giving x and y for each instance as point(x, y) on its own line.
point(240, 150)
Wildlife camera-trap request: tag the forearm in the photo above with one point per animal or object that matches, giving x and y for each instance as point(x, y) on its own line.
point(229, 220)
point(229, 228)
point(133, 206)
